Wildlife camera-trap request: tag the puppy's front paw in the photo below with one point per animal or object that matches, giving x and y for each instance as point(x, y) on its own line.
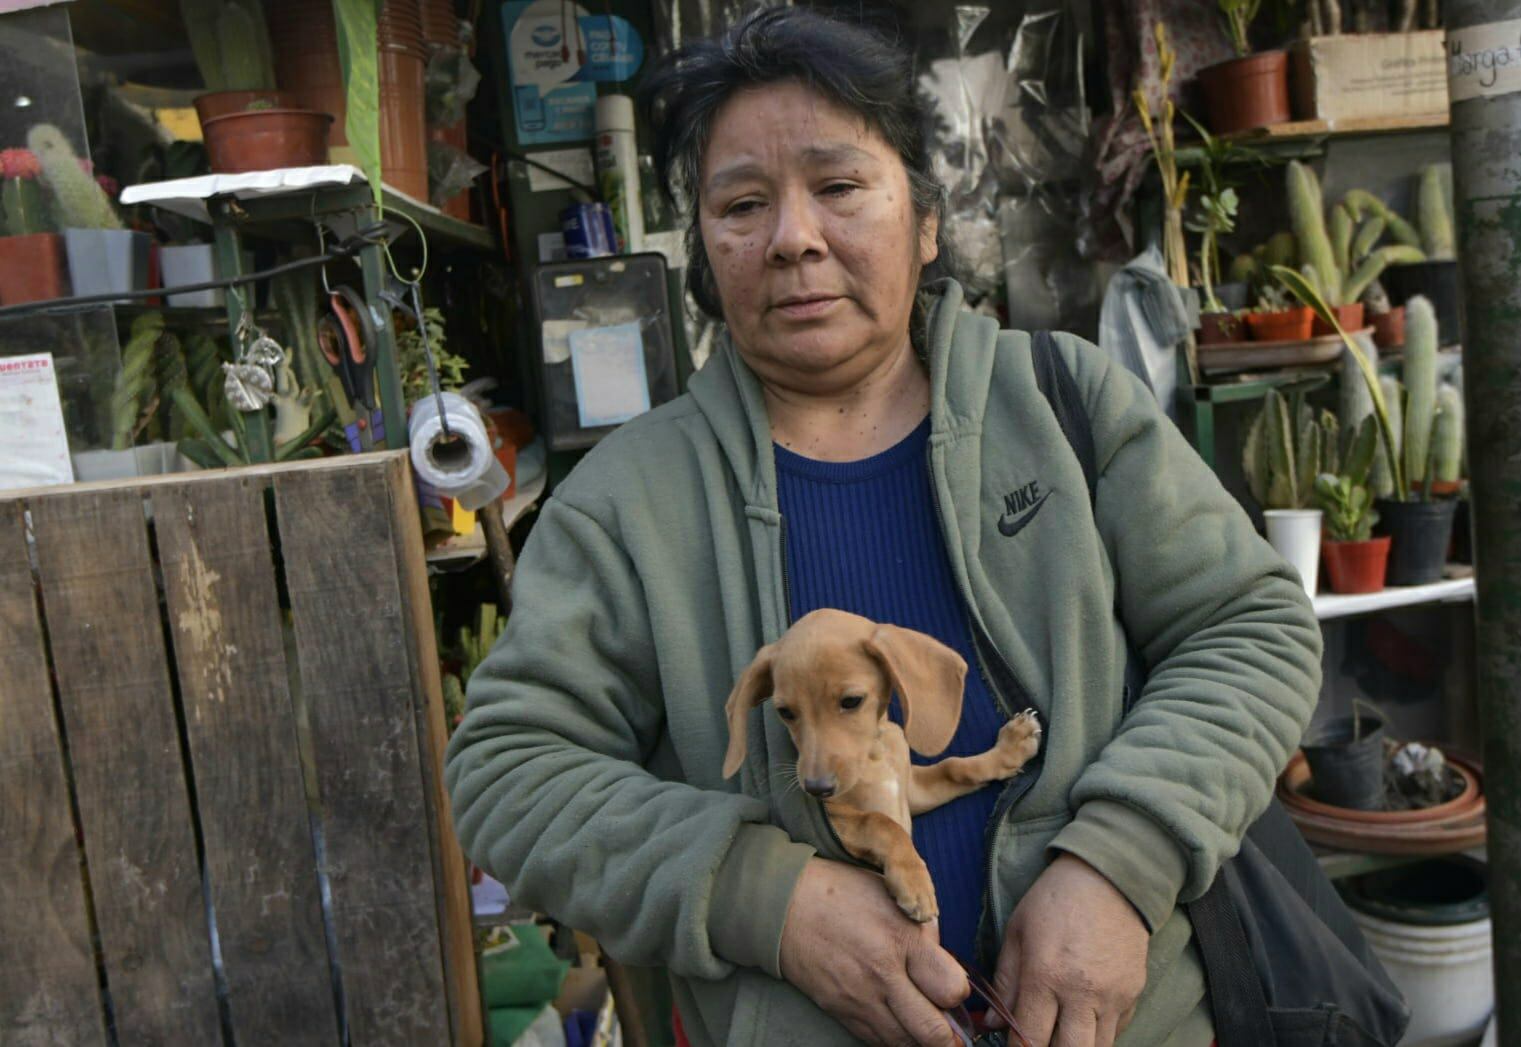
point(913, 890)
point(1018, 741)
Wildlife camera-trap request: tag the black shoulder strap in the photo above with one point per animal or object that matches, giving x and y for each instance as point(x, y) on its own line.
point(1054, 378)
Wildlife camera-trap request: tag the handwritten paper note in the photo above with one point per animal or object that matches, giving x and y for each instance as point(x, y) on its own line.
point(34, 448)
point(1484, 60)
point(611, 383)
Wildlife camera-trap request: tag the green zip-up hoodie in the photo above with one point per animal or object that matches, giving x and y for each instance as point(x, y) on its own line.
point(586, 773)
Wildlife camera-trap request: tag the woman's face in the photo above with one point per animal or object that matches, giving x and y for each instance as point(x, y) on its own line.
point(812, 236)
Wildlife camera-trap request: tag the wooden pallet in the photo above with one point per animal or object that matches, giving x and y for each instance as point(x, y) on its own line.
point(221, 697)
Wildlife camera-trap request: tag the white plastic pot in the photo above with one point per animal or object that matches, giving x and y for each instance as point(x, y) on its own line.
point(1295, 534)
point(1443, 972)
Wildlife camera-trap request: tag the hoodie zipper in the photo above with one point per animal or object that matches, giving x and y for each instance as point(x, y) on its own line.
point(1001, 687)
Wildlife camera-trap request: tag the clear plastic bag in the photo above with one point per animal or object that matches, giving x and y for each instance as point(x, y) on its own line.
point(451, 171)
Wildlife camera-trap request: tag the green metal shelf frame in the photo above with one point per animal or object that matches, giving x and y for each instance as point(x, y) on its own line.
point(233, 218)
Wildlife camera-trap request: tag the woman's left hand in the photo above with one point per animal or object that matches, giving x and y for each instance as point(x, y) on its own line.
point(1073, 961)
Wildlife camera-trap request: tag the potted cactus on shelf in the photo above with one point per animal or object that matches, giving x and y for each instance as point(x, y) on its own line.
point(1355, 560)
point(31, 251)
point(1415, 449)
point(1282, 458)
point(247, 124)
point(1252, 89)
point(1339, 253)
point(104, 256)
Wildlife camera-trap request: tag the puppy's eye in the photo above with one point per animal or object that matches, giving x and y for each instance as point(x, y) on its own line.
point(852, 701)
point(785, 713)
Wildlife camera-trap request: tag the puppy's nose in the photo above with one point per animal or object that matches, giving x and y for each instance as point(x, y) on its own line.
point(823, 788)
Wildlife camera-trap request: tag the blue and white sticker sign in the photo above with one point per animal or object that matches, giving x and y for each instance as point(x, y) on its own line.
point(557, 53)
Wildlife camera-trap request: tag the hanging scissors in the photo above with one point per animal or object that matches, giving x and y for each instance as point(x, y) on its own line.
point(346, 337)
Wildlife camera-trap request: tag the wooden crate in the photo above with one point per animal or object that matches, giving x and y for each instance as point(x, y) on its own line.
point(211, 719)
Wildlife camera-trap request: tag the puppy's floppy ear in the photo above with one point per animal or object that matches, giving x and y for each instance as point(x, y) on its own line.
point(754, 687)
point(928, 677)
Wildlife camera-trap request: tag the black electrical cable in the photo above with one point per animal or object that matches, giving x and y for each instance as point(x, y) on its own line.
point(346, 249)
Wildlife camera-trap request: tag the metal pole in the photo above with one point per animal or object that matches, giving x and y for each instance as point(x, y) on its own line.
point(1486, 140)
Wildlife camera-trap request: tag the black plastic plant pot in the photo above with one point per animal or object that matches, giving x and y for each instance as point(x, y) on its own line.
point(1348, 771)
point(1421, 533)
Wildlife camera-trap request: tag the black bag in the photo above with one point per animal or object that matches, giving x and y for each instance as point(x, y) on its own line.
point(1284, 963)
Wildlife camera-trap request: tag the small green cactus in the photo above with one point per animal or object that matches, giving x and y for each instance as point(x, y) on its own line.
point(1434, 213)
point(1283, 452)
point(1362, 203)
point(1420, 380)
point(1339, 257)
point(1447, 437)
point(79, 201)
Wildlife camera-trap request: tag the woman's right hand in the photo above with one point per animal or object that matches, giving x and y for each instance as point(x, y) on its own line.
point(848, 947)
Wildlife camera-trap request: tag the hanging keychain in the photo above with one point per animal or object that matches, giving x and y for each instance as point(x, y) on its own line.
point(250, 382)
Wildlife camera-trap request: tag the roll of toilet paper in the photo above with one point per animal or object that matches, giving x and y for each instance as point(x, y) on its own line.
point(460, 465)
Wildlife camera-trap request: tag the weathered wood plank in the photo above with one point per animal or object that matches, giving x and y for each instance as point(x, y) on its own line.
point(453, 891)
point(229, 648)
point(351, 638)
point(100, 601)
point(48, 992)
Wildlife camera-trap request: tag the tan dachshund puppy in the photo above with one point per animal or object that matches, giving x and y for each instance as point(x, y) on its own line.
point(831, 677)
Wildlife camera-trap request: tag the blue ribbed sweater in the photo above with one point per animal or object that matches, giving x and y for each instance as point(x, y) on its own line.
point(862, 537)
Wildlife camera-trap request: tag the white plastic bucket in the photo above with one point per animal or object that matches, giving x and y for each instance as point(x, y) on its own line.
point(1295, 534)
point(1445, 974)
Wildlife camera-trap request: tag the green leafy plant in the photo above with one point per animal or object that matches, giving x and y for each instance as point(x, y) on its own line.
point(413, 363)
point(230, 42)
point(472, 647)
point(1239, 15)
point(358, 58)
point(78, 200)
point(21, 196)
point(1341, 490)
point(1284, 452)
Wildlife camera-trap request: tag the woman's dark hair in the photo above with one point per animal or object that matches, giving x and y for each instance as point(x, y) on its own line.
point(850, 64)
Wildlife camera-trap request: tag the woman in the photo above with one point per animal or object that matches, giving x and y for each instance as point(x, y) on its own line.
point(848, 448)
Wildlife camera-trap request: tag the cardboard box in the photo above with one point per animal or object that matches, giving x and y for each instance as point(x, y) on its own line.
point(1369, 75)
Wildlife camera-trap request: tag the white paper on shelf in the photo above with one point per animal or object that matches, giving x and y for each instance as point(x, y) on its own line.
point(188, 196)
point(34, 446)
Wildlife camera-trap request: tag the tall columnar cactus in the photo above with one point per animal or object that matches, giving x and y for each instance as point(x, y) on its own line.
point(136, 383)
point(230, 41)
point(1283, 452)
point(1447, 437)
point(1420, 380)
point(1382, 480)
point(79, 200)
point(1434, 213)
point(1308, 221)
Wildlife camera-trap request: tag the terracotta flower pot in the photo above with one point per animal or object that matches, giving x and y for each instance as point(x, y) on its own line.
point(265, 139)
point(1349, 316)
point(1389, 328)
point(1246, 92)
point(1356, 567)
point(1288, 325)
point(1219, 328)
point(220, 103)
point(33, 268)
point(404, 123)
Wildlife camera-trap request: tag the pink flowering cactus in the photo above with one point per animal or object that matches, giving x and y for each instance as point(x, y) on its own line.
point(19, 163)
